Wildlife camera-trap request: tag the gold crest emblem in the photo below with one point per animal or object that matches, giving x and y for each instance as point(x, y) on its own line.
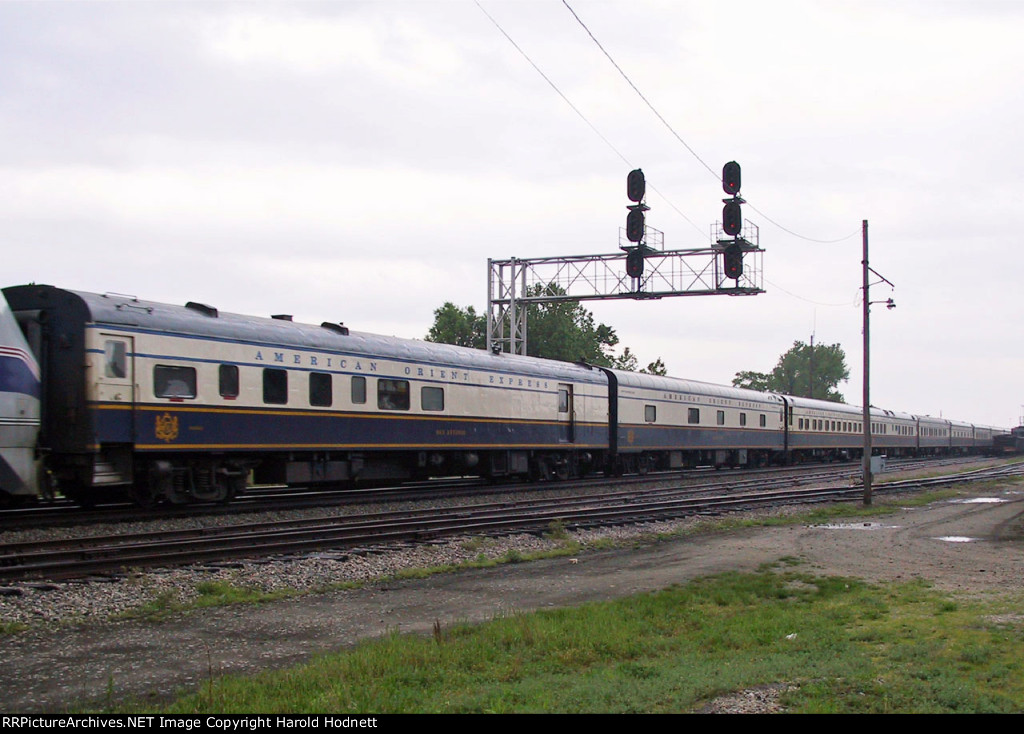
point(630, 436)
point(167, 427)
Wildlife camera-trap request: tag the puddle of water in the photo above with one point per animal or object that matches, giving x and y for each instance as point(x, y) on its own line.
point(979, 500)
point(956, 539)
point(855, 526)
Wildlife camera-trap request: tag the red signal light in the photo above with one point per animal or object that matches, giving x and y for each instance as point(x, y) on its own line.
point(731, 178)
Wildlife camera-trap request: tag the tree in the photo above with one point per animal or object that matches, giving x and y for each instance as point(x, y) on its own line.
point(566, 331)
point(657, 367)
point(626, 361)
point(804, 370)
point(561, 330)
point(461, 327)
point(752, 380)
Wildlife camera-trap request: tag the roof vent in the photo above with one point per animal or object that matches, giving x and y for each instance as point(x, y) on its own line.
point(282, 316)
point(202, 308)
point(339, 327)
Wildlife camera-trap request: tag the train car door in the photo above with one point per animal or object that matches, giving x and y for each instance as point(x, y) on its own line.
point(566, 414)
point(115, 385)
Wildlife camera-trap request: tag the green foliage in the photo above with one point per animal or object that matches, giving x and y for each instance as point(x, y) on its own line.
point(838, 645)
point(566, 331)
point(810, 372)
point(657, 367)
point(461, 327)
point(208, 594)
point(10, 628)
point(752, 380)
point(560, 330)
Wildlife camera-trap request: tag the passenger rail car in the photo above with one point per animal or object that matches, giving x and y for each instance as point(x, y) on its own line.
point(668, 423)
point(185, 403)
point(19, 413)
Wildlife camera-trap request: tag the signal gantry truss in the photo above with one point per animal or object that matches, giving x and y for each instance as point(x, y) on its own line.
point(514, 284)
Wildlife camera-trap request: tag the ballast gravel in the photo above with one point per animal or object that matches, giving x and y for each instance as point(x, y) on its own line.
point(104, 598)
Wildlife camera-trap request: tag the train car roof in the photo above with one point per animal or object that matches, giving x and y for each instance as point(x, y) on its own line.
point(695, 387)
point(205, 321)
point(932, 420)
point(818, 404)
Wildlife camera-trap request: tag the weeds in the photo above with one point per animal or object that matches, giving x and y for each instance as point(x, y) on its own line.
point(840, 644)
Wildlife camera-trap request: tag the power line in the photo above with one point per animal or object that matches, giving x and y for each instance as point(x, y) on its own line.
point(639, 93)
point(552, 84)
point(579, 113)
point(810, 300)
point(680, 138)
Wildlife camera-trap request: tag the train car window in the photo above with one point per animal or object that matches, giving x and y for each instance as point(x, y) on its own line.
point(650, 413)
point(743, 419)
point(275, 386)
point(174, 382)
point(720, 417)
point(764, 420)
point(693, 415)
point(228, 381)
point(393, 394)
point(321, 389)
point(563, 400)
point(432, 398)
point(115, 359)
point(359, 390)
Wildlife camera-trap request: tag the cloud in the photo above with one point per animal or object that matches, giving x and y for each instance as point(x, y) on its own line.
point(362, 161)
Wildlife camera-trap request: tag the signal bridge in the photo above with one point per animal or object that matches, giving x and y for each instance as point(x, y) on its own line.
point(514, 284)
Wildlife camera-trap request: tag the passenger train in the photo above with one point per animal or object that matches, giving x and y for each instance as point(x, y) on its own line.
point(186, 403)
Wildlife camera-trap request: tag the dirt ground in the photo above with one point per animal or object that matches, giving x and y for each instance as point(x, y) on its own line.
point(963, 547)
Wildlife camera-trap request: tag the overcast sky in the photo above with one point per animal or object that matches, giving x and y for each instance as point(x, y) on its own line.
point(361, 161)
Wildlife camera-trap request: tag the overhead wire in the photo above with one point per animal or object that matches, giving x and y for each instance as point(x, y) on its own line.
point(580, 114)
point(551, 83)
point(680, 138)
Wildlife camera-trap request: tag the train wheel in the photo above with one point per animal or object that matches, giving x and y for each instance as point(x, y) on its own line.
point(219, 492)
point(144, 496)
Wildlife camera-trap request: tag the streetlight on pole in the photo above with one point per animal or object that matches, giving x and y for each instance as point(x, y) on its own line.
point(890, 304)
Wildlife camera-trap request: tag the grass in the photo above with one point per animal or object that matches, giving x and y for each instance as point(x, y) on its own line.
point(208, 594)
point(843, 645)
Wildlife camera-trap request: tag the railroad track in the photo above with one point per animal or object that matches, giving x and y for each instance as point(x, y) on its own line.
point(119, 554)
point(64, 513)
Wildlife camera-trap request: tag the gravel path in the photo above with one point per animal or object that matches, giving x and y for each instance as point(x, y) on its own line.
point(959, 546)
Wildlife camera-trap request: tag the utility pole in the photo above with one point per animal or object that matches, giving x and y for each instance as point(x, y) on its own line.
point(890, 304)
point(866, 468)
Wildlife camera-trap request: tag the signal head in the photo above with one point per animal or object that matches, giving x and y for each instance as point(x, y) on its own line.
point(733, 257)
point(636, 186)
point(635, 225)
point(731, 178)
point(635, 263)
point(732, 217)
